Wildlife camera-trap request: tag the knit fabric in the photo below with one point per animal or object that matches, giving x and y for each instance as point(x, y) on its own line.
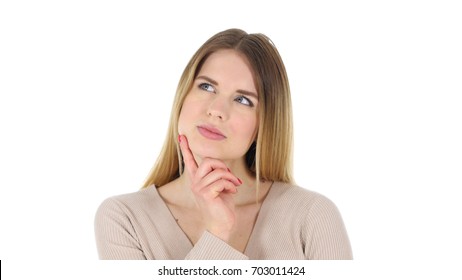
point(293, 223)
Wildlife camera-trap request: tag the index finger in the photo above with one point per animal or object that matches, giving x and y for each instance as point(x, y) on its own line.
point(188, 158)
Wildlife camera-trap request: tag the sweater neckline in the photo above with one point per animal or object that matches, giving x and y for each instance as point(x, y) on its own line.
point(181, 239)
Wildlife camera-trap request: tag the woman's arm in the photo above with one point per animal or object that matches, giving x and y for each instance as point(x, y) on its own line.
point(210, 247)
point(115, 236)
point(325, 234)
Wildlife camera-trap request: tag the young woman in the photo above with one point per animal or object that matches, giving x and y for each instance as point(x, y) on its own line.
point(222, 187)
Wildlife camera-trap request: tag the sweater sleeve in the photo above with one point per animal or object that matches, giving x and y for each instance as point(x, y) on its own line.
point(210, 247)
point(115, 236)
point(325, 233)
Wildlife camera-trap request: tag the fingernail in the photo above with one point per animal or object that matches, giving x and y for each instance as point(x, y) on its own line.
point(229, 170)
point(179, 138)
point(240, 182)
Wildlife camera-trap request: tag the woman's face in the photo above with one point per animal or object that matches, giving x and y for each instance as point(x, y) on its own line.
point(219, 114)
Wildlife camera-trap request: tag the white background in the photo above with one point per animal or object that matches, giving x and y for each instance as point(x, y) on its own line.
point(87, 86)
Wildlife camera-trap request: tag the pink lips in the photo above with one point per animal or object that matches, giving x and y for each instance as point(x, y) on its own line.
point(210, 132)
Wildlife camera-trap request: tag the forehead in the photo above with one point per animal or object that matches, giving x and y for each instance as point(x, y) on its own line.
point(229, 67)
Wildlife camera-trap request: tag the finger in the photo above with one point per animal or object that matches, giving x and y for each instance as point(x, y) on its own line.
point(188, 158)
point(218, 187)
point(208, 165)
point(216, 175)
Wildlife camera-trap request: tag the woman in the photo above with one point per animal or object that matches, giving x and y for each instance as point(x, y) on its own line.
point(222, 187)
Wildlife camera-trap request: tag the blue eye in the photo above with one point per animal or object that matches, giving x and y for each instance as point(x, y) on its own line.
point(207, 87)
point(244, 100)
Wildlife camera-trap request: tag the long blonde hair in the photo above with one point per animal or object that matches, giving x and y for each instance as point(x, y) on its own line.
point(270, 156)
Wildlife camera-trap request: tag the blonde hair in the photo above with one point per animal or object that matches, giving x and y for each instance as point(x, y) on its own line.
point(270, 156)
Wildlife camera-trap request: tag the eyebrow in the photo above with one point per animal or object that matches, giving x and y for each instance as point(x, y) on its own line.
point(241, 91)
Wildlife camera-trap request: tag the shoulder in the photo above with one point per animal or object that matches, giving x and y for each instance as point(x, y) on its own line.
point(119, 222)
point(316, 218)
point(300, 203)
point(292, 194)
point(129, 203)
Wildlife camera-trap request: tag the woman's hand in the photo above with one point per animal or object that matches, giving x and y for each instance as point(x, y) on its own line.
point(213, 186)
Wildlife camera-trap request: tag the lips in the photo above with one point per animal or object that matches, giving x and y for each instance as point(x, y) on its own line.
point(210, 132)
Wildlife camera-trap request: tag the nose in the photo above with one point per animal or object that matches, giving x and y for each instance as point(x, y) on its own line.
point(218, 108)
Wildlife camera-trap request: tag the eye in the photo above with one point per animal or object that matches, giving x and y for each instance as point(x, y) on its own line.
point(207, 87)
point(244, 100)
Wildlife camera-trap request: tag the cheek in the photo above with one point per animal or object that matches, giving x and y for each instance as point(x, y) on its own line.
point(187, 113)
point(182, 120)
point(247, 128)
point(254, 129)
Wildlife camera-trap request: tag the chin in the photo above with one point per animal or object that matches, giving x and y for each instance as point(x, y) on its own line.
point(208, 152)
point(203, 150)
point(212, 149)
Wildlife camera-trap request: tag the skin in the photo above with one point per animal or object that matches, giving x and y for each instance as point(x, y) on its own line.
point(211, 194)
point(223, 106)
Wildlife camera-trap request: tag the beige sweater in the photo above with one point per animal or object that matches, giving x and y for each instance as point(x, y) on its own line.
point(293, 223)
